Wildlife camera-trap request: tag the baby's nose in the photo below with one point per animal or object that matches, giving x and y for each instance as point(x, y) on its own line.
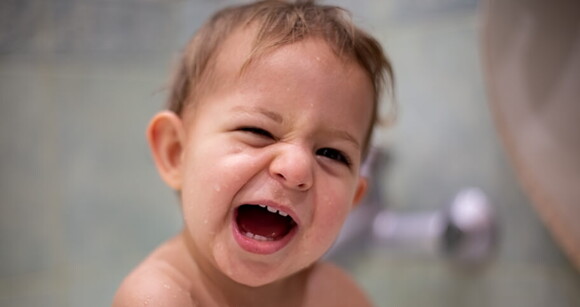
point(293, 167)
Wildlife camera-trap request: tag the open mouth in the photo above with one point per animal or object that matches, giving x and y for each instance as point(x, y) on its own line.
point(263, 223)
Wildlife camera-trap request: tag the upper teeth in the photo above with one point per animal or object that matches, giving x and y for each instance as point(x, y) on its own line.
point(274, 210)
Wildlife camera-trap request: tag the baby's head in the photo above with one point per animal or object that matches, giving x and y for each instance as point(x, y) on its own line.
point(271, 113)
point(270, 25)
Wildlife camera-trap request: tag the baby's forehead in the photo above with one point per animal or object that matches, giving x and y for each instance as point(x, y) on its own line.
point(234, 50)
point(240, 52)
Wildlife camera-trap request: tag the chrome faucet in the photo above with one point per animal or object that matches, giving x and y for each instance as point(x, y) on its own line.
point(465, 231)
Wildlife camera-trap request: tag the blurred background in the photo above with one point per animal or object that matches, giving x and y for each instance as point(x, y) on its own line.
point(81, 203)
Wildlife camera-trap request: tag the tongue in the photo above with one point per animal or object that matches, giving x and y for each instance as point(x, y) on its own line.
point(260, 221)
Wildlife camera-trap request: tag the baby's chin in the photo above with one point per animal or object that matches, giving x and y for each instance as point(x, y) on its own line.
point(251, 279)
point(255, 270)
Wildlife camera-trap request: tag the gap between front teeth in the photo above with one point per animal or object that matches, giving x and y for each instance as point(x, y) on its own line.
point(274, 210)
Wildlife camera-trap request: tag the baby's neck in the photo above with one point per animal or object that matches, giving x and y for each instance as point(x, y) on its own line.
point(209, 284)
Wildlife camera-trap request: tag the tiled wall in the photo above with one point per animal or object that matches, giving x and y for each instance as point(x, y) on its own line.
point(81, 204)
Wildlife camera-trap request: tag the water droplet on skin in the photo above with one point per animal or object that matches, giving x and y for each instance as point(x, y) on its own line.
point(217, 188)
point(166, 286)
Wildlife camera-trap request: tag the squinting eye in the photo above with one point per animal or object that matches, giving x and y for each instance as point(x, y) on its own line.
point(333, 154)
point(257, 131)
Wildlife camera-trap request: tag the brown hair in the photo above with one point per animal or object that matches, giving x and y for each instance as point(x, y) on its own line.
point(279, 23)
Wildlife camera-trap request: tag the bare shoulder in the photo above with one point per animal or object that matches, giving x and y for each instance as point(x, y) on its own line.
point(155, 282)
point(329, 285)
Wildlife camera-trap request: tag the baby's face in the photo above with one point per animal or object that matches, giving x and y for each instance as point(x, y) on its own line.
point(270, 167)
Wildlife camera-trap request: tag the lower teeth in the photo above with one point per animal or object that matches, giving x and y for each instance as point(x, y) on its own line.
point(257, 237)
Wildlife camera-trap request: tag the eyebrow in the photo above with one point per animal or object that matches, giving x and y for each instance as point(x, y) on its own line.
point(345, 136)
point(272, 115)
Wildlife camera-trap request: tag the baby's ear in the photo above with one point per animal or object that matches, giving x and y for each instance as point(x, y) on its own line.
point(361, 190)
point(166, 136)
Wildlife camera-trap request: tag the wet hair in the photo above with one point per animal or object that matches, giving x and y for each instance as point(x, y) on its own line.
point(278, 23)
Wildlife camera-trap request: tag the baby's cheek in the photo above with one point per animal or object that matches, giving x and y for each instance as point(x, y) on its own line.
point(201, 201)
point(242, 159)
point(332, 215)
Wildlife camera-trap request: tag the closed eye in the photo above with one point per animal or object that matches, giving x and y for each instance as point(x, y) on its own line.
point(334, 154)
point(257, 131)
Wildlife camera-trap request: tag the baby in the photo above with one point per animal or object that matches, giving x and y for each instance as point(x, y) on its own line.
point(269, 119)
